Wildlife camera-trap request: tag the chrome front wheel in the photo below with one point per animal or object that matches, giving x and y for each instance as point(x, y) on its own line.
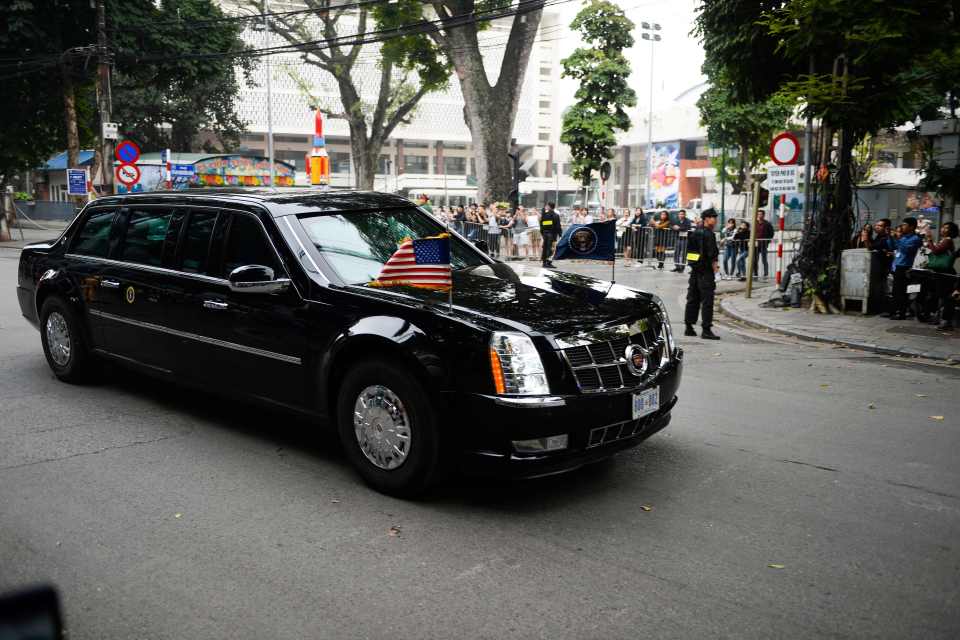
point(382, 427)
point(58, 338)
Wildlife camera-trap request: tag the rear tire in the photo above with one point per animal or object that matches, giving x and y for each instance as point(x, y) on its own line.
point(64, 343)
point(388, 426)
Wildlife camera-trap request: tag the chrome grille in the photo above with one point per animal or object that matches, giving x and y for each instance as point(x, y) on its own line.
point(600, 366)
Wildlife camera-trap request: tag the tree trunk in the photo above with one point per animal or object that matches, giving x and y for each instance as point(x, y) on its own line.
point(490, 111)
point(70, 116)
point(491, 144)
point(364, 151)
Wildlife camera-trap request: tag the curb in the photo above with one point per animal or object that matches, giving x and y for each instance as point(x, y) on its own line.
point(810, 337)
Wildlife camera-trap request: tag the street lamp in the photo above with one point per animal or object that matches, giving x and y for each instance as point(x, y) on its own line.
point(649, 32)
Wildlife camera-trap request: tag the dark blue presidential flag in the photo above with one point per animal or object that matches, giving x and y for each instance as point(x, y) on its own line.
point(597, 241)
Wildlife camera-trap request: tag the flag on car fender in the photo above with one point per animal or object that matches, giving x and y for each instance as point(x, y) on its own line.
point(597, 241)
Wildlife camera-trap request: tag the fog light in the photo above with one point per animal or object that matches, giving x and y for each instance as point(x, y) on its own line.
point(541, 445)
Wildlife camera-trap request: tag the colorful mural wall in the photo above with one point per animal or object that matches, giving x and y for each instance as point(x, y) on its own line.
point(665, 175)
point(241, 171)
point(216, 171)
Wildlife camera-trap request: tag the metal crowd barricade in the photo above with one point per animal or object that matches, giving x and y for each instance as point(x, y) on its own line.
point(658, 245)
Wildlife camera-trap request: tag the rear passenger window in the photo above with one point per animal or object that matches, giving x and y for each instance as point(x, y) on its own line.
point(94, 236)
point(196, 240)
point(247, 244)
point(143, 239)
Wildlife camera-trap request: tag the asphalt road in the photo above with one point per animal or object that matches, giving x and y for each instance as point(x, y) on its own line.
point(801, 491)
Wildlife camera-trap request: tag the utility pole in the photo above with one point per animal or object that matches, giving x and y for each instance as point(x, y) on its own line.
point(266, 66)
point(807, 143)
point(653, 38)
point(105, 99)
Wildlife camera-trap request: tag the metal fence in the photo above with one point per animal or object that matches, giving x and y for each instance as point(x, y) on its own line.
point(657, 248)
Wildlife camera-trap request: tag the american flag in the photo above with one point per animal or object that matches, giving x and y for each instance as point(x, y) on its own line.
point(419, 263)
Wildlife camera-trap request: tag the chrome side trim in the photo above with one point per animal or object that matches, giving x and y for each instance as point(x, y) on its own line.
point(303, 249)
point(147, 267)
point(529, 402)
point(193, 336)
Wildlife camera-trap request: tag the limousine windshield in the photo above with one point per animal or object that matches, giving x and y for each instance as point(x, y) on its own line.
point(357, 245)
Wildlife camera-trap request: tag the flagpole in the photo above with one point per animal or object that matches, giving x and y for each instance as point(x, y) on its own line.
point(446, 224)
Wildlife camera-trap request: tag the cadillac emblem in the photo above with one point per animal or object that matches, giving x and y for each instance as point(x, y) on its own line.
point(637, 361)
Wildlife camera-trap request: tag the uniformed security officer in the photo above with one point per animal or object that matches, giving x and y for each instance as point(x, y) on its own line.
point(702, 256)
point(550, 230)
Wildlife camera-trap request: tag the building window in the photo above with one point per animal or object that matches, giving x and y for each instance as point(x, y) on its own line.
point(544, 104)
point(454, 145)
point(416, 164)
point(455, 166)
point(251, 152)
point(294, 139)
point(339, 162)
point(415, 144)
point(252, 137)
point(296, 158)
point(546, 71)
point(384, 164)
point(544, 136)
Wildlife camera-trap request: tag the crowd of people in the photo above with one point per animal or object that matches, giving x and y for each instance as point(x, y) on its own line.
point(640, 235)
point(913, 254)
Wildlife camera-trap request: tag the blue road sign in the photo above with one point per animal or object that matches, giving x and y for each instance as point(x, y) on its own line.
point(127, 152)
point(182, 170)
point(76, 182)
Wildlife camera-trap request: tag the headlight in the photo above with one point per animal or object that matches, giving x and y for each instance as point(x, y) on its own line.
point(665, 331)
point(516, 365)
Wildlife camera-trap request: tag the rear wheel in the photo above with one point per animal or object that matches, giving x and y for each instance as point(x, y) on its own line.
point(64, 345)
point(388, 427)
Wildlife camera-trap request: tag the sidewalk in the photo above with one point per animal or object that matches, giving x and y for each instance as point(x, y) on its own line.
point(870, 333)
point(52, 231)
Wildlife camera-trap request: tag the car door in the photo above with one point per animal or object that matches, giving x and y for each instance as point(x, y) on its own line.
point(133, 287)
point(86, 258)
point(252, 343)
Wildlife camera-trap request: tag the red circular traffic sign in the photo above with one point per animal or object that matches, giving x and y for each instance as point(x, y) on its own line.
point(785, 149)
point(128, 174)
point(127, 152)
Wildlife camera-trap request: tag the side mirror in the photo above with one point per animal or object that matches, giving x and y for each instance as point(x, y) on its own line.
point(255, 278)
point(482, 245)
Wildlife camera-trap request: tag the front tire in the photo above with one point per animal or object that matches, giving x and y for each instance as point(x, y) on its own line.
point(64, 344)
point(389, 428)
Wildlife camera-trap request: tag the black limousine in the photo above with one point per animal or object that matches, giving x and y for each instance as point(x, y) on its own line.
point(266, 294)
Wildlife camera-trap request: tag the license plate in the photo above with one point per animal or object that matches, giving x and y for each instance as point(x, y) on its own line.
point(646, 402)
point(913, 288)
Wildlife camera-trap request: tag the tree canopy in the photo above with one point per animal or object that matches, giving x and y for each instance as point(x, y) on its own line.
point(746, 126)
point(165, 90)
point(37, 40)
point(856, 66)
point(169, 81)
point(590, 125)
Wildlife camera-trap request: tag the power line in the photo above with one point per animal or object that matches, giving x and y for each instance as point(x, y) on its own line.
point(369, 37)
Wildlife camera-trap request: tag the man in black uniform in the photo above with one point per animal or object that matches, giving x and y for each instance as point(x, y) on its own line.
point(702, 256)
point(550, 230)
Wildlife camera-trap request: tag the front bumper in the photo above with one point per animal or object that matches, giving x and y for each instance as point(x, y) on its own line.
point(597, 425)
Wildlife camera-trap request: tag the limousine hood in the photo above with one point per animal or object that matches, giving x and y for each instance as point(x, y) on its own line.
point(531, 299)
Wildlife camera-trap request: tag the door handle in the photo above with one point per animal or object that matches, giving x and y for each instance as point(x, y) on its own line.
point(215, 305)
point(109, 284)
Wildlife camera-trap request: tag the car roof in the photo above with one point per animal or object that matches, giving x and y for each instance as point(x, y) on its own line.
point(279, 201)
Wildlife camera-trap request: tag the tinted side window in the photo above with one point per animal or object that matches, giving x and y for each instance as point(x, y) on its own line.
point(247, 244)
point(144, 236)
point(94, 236)
point(196, 241)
